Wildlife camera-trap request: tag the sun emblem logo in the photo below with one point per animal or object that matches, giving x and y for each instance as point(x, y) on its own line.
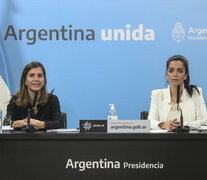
point(178, 32)
point(87, 126)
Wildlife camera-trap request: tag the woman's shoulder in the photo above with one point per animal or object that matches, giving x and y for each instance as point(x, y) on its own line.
point(199, 92)
point(200, 89)
point(160, 91)
point(52, 97)
point(13, 98)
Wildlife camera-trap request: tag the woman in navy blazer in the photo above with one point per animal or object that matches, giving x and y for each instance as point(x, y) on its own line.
point(163, 109)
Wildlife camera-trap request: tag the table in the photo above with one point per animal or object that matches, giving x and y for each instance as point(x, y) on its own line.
point(65, 156)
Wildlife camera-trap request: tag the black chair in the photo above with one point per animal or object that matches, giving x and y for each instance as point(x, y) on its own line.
point(144, 115)
point(64, 120)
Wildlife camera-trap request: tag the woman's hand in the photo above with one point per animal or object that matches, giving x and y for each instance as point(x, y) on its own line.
point(170, 125)
point(37, 124)
point(19, 123)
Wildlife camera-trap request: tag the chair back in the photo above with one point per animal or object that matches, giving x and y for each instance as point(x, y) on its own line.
point(64, 119)
point(144, 115)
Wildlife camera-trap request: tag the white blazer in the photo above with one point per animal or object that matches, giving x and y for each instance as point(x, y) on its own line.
point(193, 108)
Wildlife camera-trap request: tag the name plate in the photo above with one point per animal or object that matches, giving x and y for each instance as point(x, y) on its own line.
point(128, 126)
point(87, 126)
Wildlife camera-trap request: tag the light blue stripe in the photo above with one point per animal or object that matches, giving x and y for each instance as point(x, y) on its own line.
point(3, 68)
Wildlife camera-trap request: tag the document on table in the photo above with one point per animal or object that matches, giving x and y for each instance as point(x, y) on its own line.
point(158, 131)
point(203, 128)
point(62, 130)
point(7, 128)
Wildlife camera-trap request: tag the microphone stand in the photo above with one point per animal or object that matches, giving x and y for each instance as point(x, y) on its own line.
point(181, 128)
point(30, 128)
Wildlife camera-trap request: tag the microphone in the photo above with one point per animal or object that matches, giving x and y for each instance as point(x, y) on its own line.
point(181, 128)
point(30, 128)
point(35, 99)
point(178, 97)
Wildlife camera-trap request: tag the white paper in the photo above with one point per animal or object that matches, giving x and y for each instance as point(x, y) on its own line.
point(62, 130)
point(158, 131)
point(7, 128)
point(203, 128)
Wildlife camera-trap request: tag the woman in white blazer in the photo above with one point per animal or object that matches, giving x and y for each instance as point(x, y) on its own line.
point(163, 109)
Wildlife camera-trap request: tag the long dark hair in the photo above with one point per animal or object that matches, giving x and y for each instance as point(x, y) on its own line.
point(187, 85)
point(22, 94)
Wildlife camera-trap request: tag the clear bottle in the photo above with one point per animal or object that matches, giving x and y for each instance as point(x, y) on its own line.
point(1, 124)
point(112, 114)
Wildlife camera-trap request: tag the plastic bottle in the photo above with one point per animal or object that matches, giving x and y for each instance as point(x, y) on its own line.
point(112, 115)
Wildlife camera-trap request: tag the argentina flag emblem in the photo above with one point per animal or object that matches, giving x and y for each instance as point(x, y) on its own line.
point(178, 32)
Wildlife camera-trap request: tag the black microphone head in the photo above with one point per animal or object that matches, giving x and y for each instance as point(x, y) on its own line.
point(178, 94)
point(35, 98)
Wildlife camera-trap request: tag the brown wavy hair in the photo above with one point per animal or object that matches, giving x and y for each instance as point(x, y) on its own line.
point(22, 94)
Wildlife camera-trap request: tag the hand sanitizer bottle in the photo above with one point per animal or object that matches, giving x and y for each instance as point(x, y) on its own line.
point(112, 115)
